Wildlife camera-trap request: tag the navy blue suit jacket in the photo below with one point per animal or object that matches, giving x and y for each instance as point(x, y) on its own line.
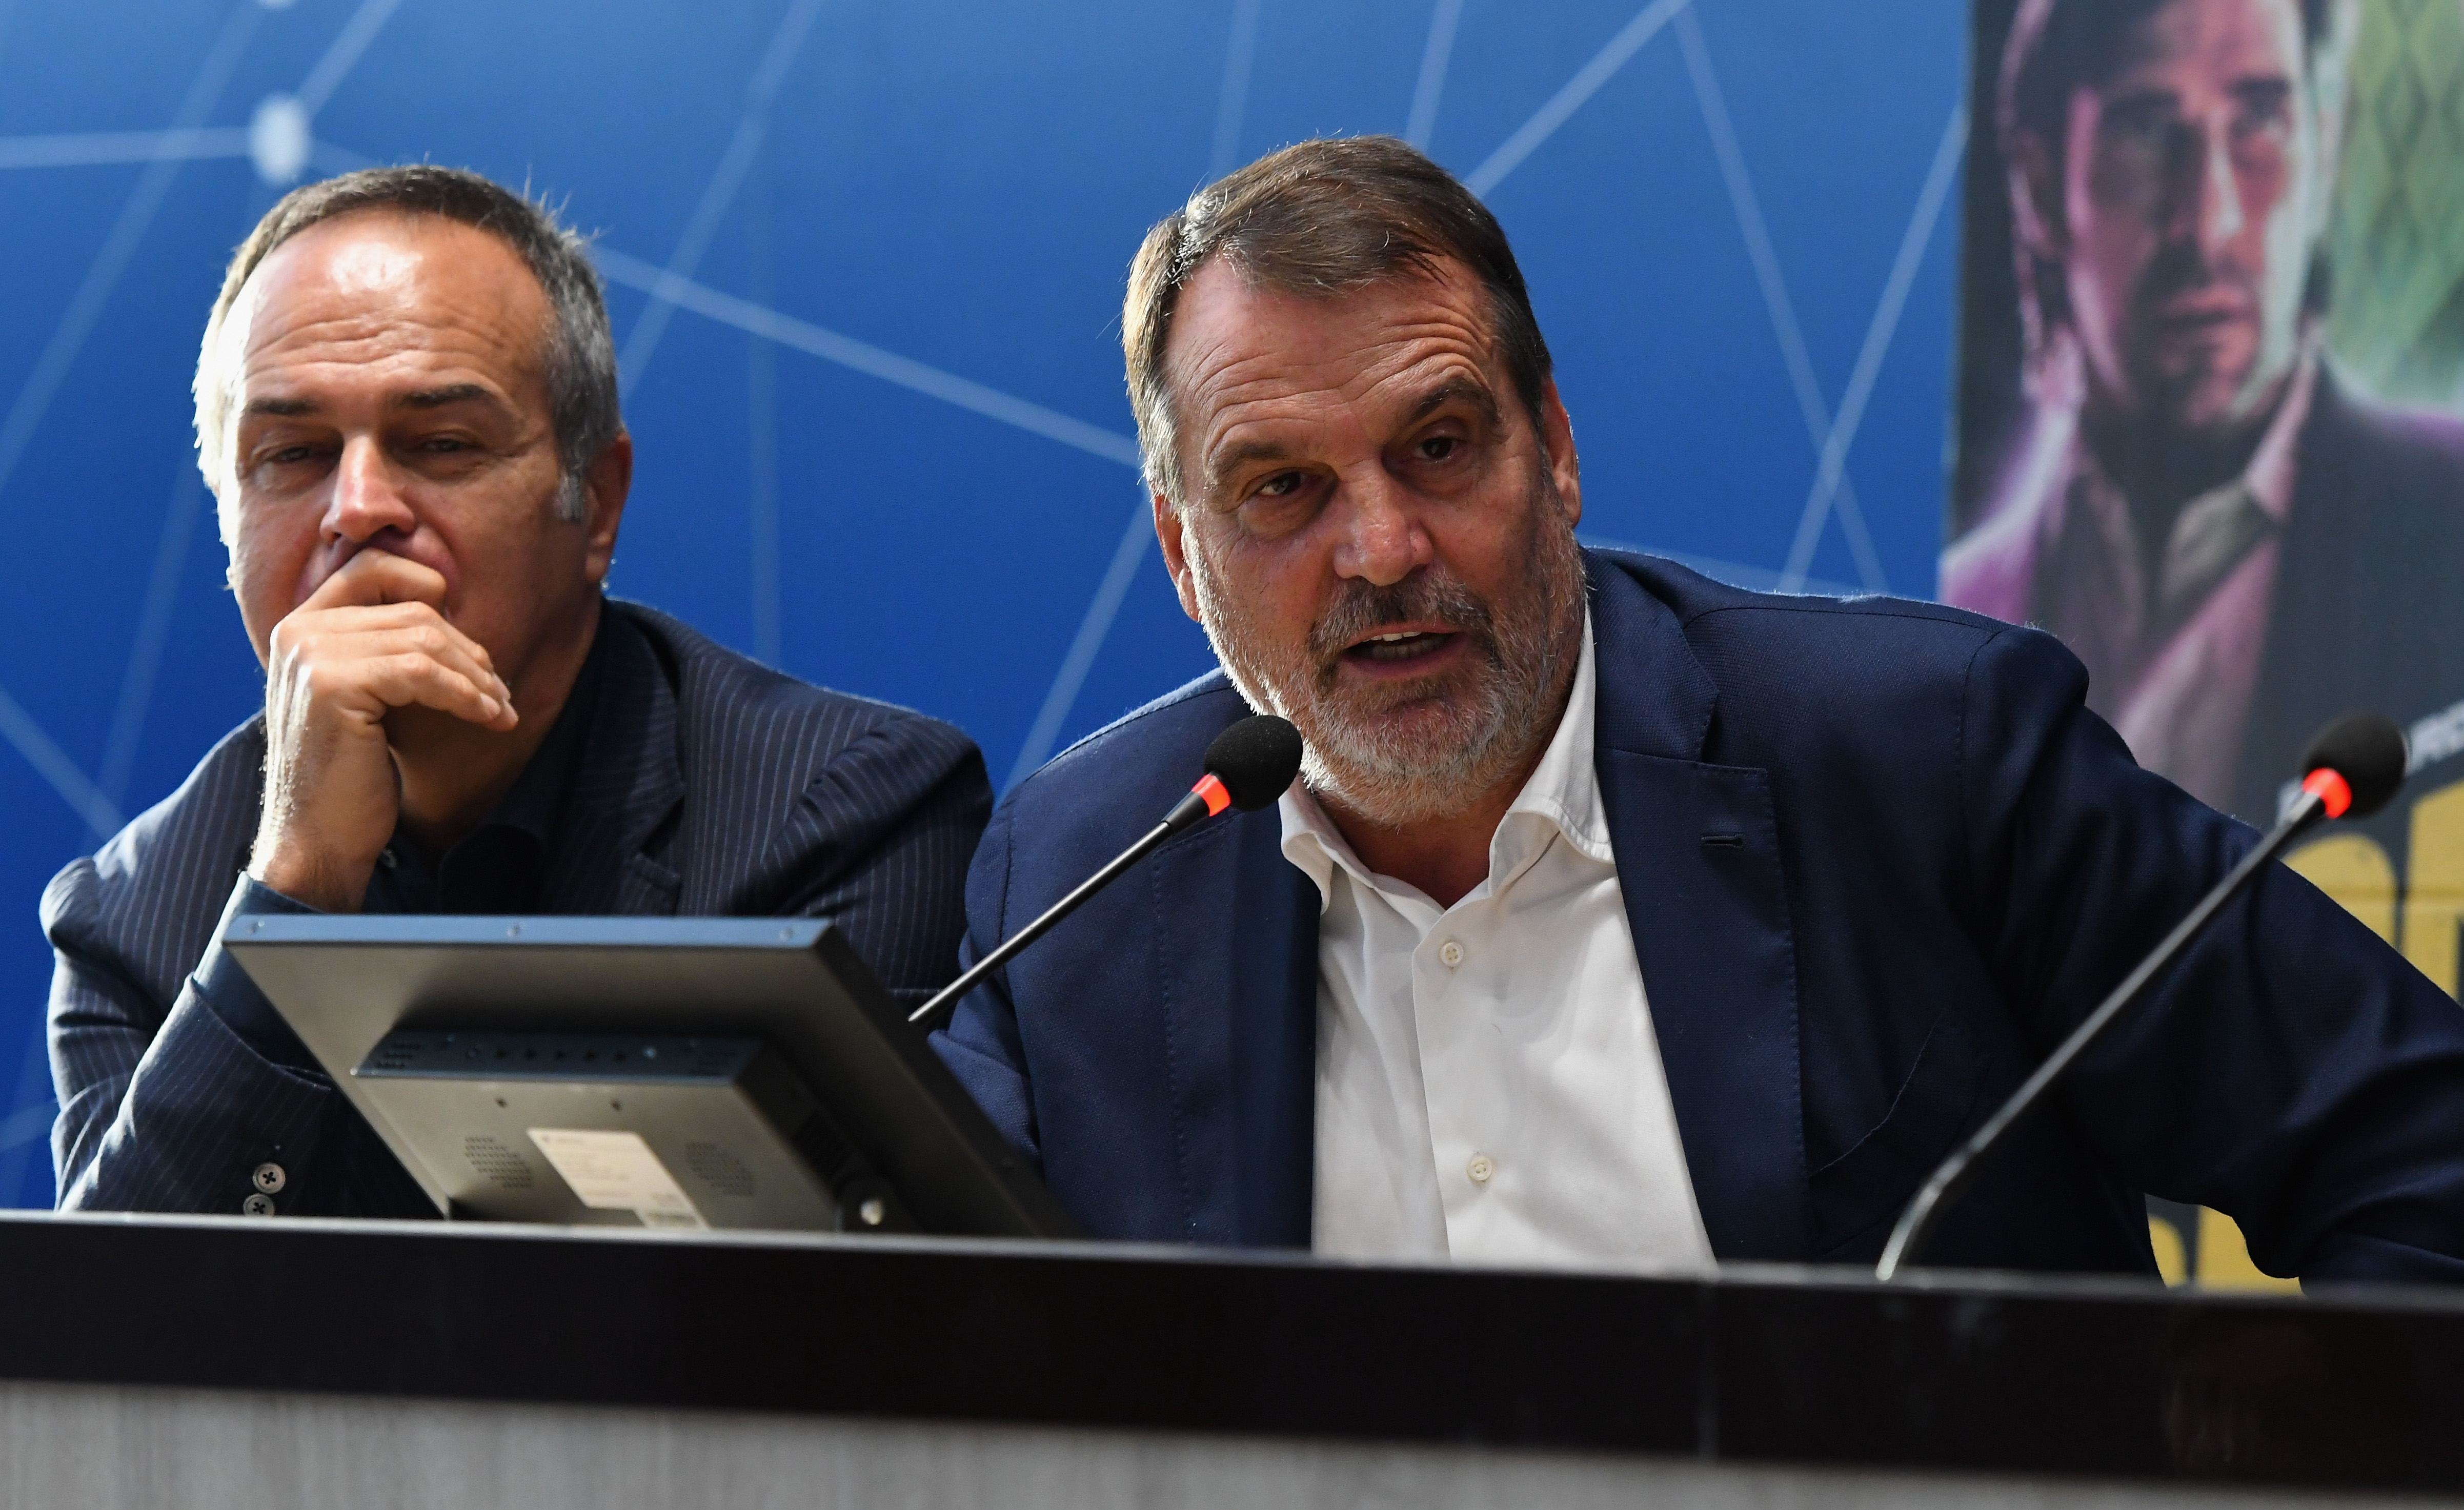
point(707, 784)
point(1925, 861)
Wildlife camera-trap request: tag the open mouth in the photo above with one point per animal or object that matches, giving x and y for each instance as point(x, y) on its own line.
point(1399, 646)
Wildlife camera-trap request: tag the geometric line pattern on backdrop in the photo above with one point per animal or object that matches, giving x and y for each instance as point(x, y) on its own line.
point(1946, 157)
point(188, 500)
point(1232, 99)
point(719, 193)
point(1714, 105)
point(1095, 624)
point(869, 359)
point(114, 148)
point(136, 214)
point(53, 764)
point(1093, 629)
point(342, 54)
point(1563, 104)
point(1422, 122)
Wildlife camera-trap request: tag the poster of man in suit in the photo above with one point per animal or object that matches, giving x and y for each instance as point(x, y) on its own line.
point(2211, 406)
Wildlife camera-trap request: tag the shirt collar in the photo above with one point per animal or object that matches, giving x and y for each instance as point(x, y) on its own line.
point(1562, 797)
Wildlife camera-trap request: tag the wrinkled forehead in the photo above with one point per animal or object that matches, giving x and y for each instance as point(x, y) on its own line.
point(385, 281)
point(1236, 340)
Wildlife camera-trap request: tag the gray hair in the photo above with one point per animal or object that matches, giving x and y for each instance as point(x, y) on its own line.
point(1318, 219)
point(579, 352)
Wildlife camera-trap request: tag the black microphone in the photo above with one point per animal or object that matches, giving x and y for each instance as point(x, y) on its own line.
point(1248, 767)
point(2351, 771)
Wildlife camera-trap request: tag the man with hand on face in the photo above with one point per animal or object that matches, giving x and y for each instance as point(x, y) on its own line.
point(406, 411)
point(1620, 917)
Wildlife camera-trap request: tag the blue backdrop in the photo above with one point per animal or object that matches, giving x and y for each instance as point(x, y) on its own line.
point(864, 264)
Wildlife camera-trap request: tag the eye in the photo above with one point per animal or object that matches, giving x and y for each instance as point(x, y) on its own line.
point(442, 443)
point(291, 453)
point(1281, 485)
point(1440, 447)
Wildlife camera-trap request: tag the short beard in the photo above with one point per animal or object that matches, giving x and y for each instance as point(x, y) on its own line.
point(1453, 740)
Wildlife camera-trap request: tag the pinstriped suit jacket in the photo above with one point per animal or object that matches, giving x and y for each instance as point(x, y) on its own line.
point(709, 785)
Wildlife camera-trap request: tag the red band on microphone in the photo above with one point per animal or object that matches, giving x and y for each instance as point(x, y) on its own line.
point(1217, 796)
point(2330, 789)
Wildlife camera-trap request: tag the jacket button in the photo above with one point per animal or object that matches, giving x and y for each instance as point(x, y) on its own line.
point(269, 1178)
point(257, 1206)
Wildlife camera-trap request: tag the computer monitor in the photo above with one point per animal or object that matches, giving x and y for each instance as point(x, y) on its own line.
point(675, 1072)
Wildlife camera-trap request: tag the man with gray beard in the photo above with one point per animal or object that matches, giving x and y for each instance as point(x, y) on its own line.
point(1621, 918)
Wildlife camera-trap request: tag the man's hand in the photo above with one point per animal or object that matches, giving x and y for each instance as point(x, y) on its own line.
point(369, 640)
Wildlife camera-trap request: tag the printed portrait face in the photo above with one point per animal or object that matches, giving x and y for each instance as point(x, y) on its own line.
point(2192, 185)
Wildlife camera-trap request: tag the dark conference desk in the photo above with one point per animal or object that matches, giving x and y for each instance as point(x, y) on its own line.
point(223, 1361)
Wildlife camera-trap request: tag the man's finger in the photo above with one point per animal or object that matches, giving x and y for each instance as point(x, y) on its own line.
point(400, 680)
point(327, 648)
point(433, 637)
point(375, 629)
point(376, 576)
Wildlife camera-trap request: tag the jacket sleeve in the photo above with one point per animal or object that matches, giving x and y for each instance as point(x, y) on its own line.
point(171, 1110)
point(981, 1045)
point(881, 838)
point(2291, 1069)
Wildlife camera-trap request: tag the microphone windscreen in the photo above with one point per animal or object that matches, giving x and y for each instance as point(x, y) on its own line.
point(1255, 759)
point(2368, 751)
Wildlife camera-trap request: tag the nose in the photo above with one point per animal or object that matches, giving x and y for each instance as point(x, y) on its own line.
point(2215, 208)
point(367, 497)
point(1382, 541)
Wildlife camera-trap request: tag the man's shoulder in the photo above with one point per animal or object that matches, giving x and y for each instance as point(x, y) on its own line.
point(1146, 759)
point(1811, 626)
point(1793, 673)
point(728, 704)
point(152, 892)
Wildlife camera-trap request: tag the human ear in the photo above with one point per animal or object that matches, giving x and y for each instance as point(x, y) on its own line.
point(1557, 436)
point(1168, 539)
point(606, 483)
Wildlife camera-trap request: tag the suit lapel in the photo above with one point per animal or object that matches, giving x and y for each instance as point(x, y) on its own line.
point(1235, 942)
point(627, 789)
point(1699, 861)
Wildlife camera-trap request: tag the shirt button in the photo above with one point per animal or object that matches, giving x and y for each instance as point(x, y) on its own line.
point(1451, 954)
point(1481, 1168)
point(385, 857)
point(258, 1205)
point(269, 1178)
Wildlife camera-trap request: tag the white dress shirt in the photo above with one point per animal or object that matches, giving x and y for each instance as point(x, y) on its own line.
point(1488, 1084)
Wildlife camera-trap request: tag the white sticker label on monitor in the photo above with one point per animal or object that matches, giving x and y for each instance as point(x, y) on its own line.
point(617, 1172)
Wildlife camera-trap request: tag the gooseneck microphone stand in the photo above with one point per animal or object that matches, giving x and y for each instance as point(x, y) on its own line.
point(2324, 794)
point(950, 994)
point(1248, 767)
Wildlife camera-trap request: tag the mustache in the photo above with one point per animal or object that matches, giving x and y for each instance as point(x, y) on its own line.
point(1363, 608)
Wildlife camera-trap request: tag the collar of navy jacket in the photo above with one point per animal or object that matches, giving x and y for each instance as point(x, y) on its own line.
point(1167, 1033)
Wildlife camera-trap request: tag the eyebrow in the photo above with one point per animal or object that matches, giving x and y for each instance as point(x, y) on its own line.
point(1223, 464)
point(1453, 390)
point(450, 394)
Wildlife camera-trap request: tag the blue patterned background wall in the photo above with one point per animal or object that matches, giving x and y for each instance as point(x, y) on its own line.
point(864, 264)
